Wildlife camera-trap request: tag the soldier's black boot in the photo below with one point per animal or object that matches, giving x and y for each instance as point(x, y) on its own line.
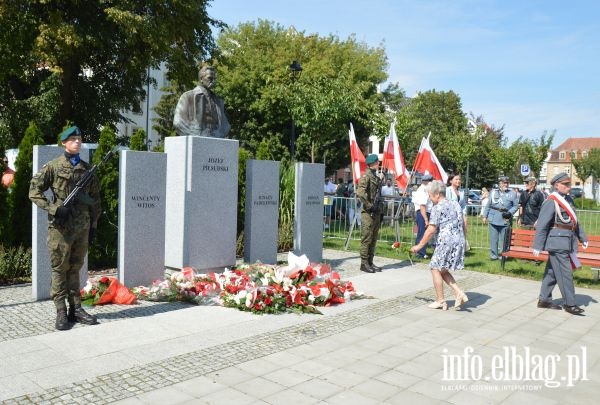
point(61, 319)
point(364, 266)
point(79, 315)
point(374, 267)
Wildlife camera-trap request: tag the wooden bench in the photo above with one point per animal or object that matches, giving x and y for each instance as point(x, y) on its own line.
point(521, 247)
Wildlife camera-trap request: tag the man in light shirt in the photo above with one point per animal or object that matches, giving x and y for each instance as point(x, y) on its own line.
point(423, 205)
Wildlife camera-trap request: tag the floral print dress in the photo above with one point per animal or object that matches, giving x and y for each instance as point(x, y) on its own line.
point(450, 248)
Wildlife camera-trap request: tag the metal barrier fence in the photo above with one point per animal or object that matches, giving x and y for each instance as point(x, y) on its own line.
point(399, 222)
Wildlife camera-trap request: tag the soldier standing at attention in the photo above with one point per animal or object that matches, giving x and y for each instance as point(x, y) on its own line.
point(502, 205)
point(70, 229)
point(558, 231)
point(369, 194)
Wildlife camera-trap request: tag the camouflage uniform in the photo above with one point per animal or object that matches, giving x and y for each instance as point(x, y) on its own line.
point(368, 187)
point(68, 241)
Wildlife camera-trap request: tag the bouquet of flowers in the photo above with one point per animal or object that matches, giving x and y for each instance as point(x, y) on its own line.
point(106, 290)
point(93, 290)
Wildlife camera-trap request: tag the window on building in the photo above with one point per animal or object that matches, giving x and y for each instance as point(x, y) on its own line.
point(561, 155)
point(584, 154)
point(568, 170)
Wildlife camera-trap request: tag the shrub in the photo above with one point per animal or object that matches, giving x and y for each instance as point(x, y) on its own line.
point(15, 264)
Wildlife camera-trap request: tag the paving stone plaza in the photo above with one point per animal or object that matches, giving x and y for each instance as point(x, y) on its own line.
point(390, 348)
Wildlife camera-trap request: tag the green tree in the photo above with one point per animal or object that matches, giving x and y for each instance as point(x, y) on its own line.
point(165, 110)
point(440, 113)
point(18, 199)
point(103, 251)
point(88, 61)
point(589, 166)
point(138, 140)
point(338, 85)
point(529, 151)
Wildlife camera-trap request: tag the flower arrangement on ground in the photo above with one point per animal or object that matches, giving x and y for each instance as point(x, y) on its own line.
point(106, 290)
point(258, 288)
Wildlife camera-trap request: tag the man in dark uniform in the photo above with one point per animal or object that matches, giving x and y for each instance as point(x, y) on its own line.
point(557, 232)
point(502, 205)
point(69, 229)
point(369, 187)
point(530, 203)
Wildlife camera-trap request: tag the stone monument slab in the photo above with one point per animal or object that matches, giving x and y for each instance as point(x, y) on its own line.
point(142, 206)
point(41, 270)
point(308, 212)
point(201, 205)
point(262, 211)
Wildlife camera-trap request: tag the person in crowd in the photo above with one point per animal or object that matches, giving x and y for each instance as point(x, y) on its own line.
point(423, 205)
point(448, 221)
point(388, 189)
point(8, 174)
point(530, 203)
point(454, 193)
point(70, 229)
point(498, 212)
point(484, 199)
point(341, 193)
point(200, 112)
point(557, 232)
point(371, 212)
point(329, 191)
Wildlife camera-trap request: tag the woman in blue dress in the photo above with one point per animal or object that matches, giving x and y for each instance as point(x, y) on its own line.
point(448, 221)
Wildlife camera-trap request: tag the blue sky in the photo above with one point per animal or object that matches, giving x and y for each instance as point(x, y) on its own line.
point(530, 65)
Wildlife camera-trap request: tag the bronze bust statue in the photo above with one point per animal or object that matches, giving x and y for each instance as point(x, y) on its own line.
point(201, 112)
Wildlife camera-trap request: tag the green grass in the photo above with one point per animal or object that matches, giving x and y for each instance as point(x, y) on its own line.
point(475, 260)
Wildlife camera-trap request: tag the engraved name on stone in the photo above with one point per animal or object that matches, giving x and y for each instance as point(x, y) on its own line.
point(215, 164)
point(265, 199)
point(313, 200)
point(146, 201)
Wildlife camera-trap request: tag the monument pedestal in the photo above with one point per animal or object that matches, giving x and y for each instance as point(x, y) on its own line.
point(142, 191)
point(201, 202)
point(308, 212)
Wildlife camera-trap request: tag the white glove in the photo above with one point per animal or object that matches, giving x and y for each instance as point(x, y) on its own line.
point(585, 245)
point(536, 252)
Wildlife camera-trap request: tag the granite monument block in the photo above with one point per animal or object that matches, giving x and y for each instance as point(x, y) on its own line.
point(262, 211)
point(201, 205)
point(142, 207)
point(308, 212)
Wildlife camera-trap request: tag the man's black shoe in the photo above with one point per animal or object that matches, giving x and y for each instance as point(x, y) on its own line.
point(366, 268)
point(71, 314)
point(61, 319)
point(548, 305)
point(83, 317)
point(376, 268)
point(574, 309)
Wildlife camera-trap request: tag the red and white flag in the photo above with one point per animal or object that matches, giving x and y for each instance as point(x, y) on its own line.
point(427, 163)
point(393, 159)
point(359, 165)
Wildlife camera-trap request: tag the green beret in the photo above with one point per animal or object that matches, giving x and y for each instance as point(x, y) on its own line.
point(71, 131)
point(372, 158)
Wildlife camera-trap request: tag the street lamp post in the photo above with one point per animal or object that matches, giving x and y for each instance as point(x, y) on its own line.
point(295, 72)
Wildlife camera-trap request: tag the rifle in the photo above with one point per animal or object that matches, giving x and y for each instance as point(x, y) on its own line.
point(377, 201)
point(83, 182)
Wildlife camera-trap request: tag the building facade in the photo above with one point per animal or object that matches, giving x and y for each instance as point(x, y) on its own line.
point(560, 159)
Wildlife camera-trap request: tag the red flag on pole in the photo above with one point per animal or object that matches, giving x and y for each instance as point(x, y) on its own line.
point(427, 163)
point(358, 159)
point(393, 159)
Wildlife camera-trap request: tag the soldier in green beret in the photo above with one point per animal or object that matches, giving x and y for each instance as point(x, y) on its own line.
point(369, 188)
point(70, 229)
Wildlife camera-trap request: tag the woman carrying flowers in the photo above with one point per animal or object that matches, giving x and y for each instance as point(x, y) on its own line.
point(447, 218)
